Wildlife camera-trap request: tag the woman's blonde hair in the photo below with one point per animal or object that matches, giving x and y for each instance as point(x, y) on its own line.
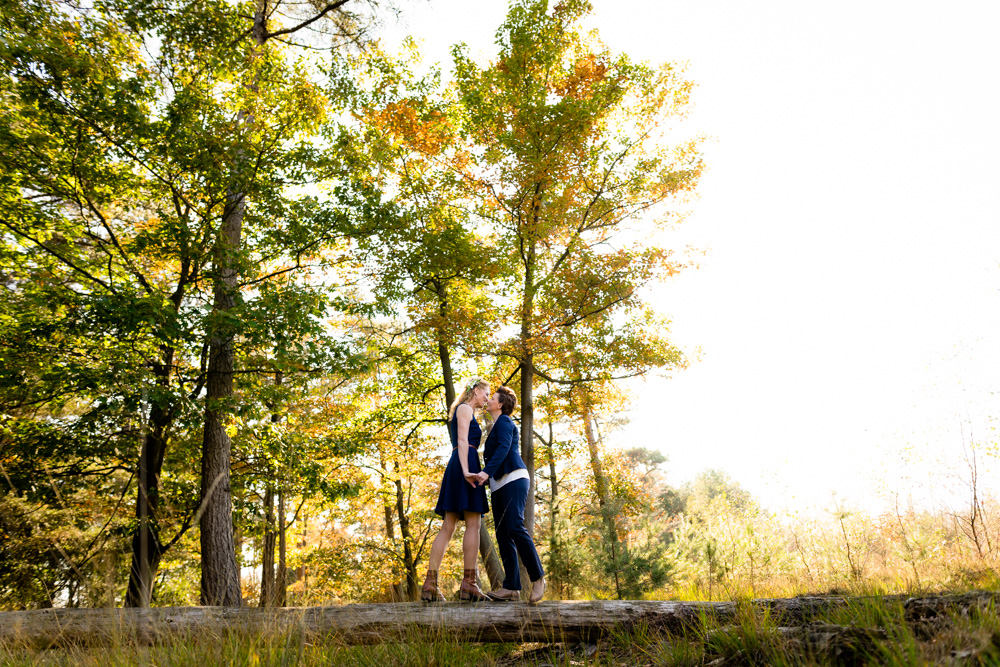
point(470, 387)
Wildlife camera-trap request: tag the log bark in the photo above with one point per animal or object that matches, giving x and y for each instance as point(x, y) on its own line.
point(487, 622)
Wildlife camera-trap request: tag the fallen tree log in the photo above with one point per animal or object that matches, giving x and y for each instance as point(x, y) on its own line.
point(550, 622)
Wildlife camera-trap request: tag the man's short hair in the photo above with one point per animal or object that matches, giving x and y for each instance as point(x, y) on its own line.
point(507, 398)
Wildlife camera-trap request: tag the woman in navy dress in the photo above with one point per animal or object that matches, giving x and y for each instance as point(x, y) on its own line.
point(462, 495)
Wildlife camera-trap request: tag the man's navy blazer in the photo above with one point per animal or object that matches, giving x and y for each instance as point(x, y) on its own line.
point(502, 448)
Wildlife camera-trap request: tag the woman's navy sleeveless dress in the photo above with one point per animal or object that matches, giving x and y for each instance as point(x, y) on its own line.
point(457, 495)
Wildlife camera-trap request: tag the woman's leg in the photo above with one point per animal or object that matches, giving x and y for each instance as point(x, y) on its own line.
point(440, 544)
point(429, 592)
point(470, 541)
point(469, 591)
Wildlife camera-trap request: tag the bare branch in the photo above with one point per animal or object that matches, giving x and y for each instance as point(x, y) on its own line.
point(326, 10)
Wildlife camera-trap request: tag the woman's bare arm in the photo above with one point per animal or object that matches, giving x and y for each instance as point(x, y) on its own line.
point(464, 415)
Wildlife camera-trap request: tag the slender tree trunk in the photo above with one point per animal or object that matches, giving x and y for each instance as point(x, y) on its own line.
point(489, 556)
point(487, 550)
point(147, 549)
point(267, 560)
point(270, 532)
point(527, 385)
point(554, 554)
point(601, 484)
point(146, 546)
point(281, 577)
point(302, 572)
point(528, 437)
point(412, 590)
point(446, 373)
point(398, 587)
point(390, 524)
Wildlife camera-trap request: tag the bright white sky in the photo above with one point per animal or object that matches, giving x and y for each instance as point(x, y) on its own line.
point(848, 310)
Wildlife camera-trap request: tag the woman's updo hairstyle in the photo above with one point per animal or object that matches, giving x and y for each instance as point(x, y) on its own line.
point(470, 386)
point(507, 398)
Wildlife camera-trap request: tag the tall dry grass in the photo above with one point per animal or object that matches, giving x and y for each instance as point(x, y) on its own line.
point(728, 553)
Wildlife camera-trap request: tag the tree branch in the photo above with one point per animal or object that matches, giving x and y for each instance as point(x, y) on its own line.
point(287, 31)
point(58, 256)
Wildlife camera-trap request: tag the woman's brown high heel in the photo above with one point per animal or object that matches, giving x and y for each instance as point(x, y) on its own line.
point(430, 592)
point(469, 591)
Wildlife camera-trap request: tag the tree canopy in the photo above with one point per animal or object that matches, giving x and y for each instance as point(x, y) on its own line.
point(248, 255)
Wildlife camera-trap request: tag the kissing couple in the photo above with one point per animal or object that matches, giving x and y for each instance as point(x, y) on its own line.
point(463, 497)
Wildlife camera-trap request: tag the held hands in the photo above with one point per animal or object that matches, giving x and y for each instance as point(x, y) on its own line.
point(475, 479)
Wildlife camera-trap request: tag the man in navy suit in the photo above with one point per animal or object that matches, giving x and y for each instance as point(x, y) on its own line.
point(509, 483)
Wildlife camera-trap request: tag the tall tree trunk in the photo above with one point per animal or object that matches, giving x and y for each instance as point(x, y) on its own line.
point(281, 577)
point(527, 388)
point(302, 572)
point(146, 546)
point(267, 560)
point(528, 437)
point(554, 555)
point(446, 374)
point(409, 564)
point(489, 556)
point(270, 533)
point(487, 551)
point(390, 523)
point(601, 484)
point(220, 578)
point(528, 383)
point(147, 549)
point(398, 587)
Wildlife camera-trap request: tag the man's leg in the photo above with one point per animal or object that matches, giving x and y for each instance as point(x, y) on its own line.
point(502, 514)
point(517, 533)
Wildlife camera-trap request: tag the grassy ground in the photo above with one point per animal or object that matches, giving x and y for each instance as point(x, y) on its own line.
point(870, 630)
